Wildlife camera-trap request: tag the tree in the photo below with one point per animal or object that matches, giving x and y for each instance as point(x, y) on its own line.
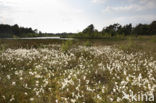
point(142, 29)
point(16, 30)
point(89, 31)
point(153, 28)
point(127, 29)
point(112, 29)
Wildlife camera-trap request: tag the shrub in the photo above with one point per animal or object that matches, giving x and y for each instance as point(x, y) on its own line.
point(107, 35)
point(66, 46)
point(120, 36)
point(2, 48)
point(88, 43)
point(128, 46)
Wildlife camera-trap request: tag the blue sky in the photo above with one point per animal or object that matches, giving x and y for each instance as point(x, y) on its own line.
point(74, 15)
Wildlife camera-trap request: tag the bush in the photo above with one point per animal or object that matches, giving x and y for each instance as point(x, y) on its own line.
point(128, 46)
point(2, 48)
point(88, 43)
point(120, 36)
point(107, 35)
point(66, 46)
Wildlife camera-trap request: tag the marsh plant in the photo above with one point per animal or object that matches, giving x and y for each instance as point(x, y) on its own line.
point(129, 45)
point(100, 74)
point(2, 48)
point(66, 45)
point(88, 43)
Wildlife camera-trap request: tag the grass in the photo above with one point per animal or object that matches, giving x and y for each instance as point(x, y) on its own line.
point(67, 45)
point(89, 71)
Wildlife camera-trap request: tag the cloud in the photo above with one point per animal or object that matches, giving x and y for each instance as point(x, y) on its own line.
point(99, 1)
point(129, 8)
point(147, 1)
point(135, 19)
point(47, 15)
point(134, 12)
point(110, 9)
point(5, 9)
point(71, 16)
point(6, 20)
point(141, 11)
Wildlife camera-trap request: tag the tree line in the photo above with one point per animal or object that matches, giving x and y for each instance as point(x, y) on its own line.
point(118, 30)
point(8, 31)
point(89, 32)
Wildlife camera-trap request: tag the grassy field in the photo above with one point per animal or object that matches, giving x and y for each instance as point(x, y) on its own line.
point(78, 71)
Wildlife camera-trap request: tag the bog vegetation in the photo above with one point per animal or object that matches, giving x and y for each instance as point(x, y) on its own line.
point(81, 71)
point(95, 67)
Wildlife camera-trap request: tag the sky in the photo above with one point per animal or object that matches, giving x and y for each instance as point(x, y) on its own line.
point(56, 16)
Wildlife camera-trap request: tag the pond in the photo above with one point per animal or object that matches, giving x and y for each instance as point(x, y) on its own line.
point(43, 38)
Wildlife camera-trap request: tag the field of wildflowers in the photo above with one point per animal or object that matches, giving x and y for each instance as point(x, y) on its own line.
point(83, 74)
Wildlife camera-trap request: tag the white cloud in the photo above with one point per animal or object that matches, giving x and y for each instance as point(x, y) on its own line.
point(136, 12)
point(47, 15)
point(99, 1)
point(147, 1)
point(62, 16)
point(130, 19)
point(110, 9)
point(136, 19)
point(129, 8)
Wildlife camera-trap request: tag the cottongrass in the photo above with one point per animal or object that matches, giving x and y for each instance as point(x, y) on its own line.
point(81, 75)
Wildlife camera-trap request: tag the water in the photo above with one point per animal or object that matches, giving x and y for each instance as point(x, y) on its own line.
point(43, 38)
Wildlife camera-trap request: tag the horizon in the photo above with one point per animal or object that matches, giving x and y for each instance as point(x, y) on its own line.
point(57, 16)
